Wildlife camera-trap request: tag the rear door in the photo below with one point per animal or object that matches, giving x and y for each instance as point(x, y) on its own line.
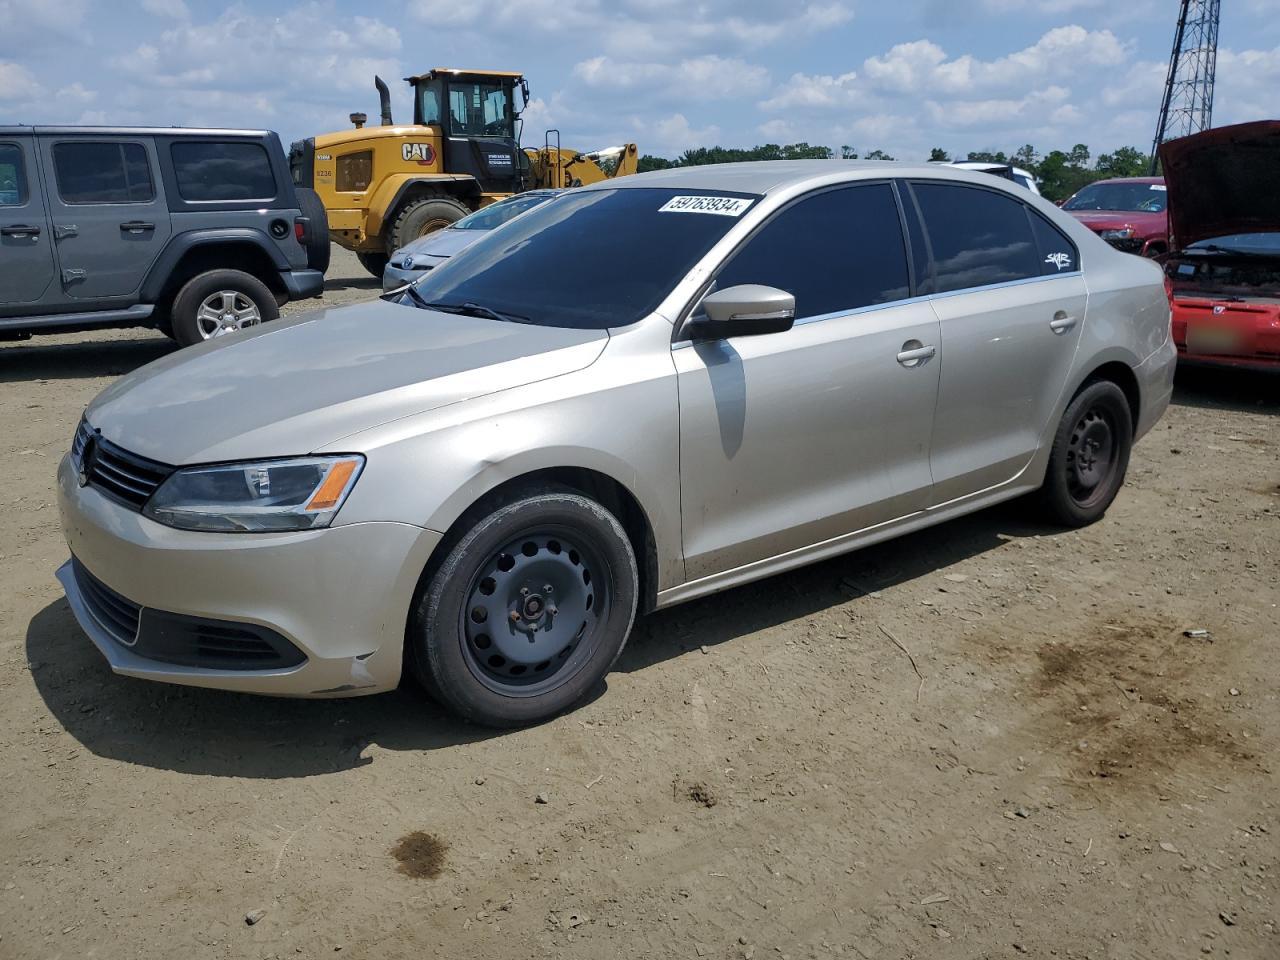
point(109, 216)
point(791, 439)
point(26, 245)
point(1010, 298)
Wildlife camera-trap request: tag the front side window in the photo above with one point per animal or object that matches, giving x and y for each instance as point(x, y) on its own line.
point(519, 271)
point(13, 178)
point(834, 251)
point(102, 172)
point(979, 237)
point(354, 171)
point(222, 171)
point(479, 110)
point(1121, 197)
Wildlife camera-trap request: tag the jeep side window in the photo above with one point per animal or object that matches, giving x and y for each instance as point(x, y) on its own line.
point(95, 171)
point(207, 170)
point(13, 180)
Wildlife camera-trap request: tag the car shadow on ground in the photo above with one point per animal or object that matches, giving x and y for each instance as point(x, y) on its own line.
point(1227, 388)
point(332, 284)
point(214, 733)
point(34, 360)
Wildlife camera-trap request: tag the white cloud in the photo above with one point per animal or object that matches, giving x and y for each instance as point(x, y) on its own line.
point(175, 9)
point(674, 134)
point(702, 78)
point(30, 25)
point(17, 82)
point(822, 91)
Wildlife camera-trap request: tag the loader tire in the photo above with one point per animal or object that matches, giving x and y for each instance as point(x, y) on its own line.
point(417, 218)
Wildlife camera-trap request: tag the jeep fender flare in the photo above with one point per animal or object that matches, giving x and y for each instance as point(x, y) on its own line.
point(179, 246)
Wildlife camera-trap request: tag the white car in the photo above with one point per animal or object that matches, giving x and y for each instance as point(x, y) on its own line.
point(1023, 178)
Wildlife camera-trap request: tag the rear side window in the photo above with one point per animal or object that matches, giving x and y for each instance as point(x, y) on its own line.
point(98, 172)
point(208, 170)
point(354, 171)
point(834, 251)
point(1057, 253)
point(979, 237)
point(13, 177)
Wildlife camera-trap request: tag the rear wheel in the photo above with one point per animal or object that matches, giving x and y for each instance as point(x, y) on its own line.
point(1090, 455)
point(528, 610)
point(375, 263)
point(417, 218)
point(217, 303)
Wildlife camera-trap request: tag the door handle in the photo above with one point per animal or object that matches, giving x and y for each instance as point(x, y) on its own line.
point(63, 230)
point(137, 226)
point(1061, 323)
point(915, 354)
point(20, 230)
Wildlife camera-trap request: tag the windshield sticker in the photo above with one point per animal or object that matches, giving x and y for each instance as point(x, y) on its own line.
point(1059, 260)
point(721, 206)
point(1160, 186)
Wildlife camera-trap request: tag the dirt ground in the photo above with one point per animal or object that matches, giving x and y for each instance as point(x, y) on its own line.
point(766, 775)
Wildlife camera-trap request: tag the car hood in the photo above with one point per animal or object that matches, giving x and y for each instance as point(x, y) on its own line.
point(443, 243)
point(292, 386)
point(1143, 223)
point(1223, 181)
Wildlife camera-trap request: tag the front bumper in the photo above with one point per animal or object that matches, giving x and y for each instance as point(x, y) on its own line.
point(341, 595)
point(393, 277)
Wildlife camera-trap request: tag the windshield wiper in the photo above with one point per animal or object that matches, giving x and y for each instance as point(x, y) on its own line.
point(1233, 251)
point(470, 308)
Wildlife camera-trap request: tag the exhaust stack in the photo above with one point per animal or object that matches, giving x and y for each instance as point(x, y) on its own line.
point(384, 99)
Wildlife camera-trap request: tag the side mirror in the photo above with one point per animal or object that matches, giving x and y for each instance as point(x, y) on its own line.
point(743, 311)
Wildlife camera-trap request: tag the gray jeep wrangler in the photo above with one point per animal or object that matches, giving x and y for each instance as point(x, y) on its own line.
point(193, 232)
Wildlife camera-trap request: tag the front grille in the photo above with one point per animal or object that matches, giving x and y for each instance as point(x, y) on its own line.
point(114, 613)
point(123, 476)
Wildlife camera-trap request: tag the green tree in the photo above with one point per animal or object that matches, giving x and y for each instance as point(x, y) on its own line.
point(879, 155)
point(649, 162)
point(848, 153)
point(1125, 162)
point(938, 155)
point(983, 156)
point(1026, 157)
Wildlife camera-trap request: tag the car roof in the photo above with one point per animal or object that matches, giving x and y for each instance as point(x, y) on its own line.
point(772, 176)
point(26, 131)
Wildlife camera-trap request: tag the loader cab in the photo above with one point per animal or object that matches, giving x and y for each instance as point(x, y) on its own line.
point(478, 117)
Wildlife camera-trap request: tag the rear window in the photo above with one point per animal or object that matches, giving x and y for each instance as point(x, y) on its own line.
point(211, 170)
point(102, 172)
point(979, 237)
point(591, 260)
point(13, 180)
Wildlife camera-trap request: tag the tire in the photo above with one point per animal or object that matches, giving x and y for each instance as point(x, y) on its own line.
point(229, 291)
point(491, 643)
point(1090, 455)
point(317, 245)
point(375, 263)
point(417, 218)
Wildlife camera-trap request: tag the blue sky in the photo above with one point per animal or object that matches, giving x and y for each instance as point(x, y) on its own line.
point(666, 74)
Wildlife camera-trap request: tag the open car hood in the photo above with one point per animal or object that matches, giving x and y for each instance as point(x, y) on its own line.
point(1223, 181)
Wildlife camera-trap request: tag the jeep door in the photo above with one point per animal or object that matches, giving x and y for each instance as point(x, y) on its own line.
point(1010, 297)
point(109, 216)
point(790, 439)
point(26, 244)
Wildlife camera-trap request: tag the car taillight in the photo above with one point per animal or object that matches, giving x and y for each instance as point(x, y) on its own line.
point(300, 229)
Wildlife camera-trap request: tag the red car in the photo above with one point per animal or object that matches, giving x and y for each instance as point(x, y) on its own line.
point(1130, 213)
point(1224, 272)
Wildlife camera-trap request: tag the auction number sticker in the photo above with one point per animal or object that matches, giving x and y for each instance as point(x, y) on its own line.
point(721, 206)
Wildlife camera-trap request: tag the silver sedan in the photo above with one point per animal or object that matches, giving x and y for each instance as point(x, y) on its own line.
point(648, 391)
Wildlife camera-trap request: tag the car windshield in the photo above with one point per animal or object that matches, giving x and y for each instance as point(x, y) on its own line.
point(1129, 197)
point(1262, 244)
point(591, 260)
point(496, 214)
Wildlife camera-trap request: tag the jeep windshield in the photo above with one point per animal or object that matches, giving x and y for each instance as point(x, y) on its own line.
point(591, 260)
point(1127, 197)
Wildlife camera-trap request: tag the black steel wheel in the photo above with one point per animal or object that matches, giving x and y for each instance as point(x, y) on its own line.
point(528, 610)
point(1090, 455)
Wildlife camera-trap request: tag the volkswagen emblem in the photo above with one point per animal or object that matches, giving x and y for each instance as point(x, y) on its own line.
point(87, 458)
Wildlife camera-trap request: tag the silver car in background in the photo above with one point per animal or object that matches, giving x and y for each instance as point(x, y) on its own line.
point(414, 259)
point(647, 391)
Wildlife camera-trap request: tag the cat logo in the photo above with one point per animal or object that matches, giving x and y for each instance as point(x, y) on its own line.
point(417, 153)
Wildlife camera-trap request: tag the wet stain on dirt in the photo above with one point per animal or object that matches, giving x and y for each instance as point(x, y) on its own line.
point(702, 795)
point(1125, 702)
point(420, 855)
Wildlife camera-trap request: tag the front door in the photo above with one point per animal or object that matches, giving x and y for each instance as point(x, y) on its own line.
point(109, 216)
point(1011, 302)
point(791, 439)
point(26, 244)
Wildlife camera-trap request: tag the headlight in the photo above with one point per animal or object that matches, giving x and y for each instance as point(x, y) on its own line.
point(1124, 233)
point(299, 494)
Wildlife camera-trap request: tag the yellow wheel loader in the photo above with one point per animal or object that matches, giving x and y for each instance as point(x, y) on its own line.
point(383, 186)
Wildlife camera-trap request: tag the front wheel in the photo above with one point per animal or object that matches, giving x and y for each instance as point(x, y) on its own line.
point(528, 610)
point(375, 263)
point(1090, 455)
